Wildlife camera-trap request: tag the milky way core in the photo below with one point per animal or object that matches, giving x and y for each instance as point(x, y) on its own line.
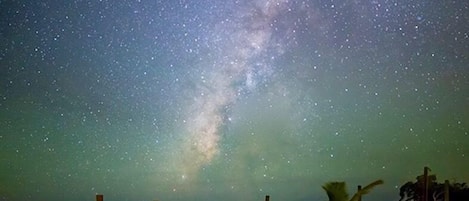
point(241, 48)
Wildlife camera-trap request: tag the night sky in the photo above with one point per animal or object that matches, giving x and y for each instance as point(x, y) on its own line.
point(230, 100)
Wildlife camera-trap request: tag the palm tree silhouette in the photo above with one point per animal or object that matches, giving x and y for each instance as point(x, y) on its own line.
point(336, 191)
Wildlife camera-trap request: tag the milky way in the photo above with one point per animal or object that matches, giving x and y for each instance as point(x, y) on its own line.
point(243, 41)
point(229, 100)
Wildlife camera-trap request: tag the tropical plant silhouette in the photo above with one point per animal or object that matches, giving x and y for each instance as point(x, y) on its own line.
point(337, 191)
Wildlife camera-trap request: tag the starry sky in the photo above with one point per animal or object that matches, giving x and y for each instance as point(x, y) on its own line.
point(233, 100)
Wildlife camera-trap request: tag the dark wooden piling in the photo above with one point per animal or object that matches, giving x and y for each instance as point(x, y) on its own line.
point(359, 188)
point(267, 198)
point(99, 197)
point(446, 190)
point(425, 184)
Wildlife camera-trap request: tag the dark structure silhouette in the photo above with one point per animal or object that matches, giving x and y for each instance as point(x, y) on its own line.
point(359, 188)
point(99, 197)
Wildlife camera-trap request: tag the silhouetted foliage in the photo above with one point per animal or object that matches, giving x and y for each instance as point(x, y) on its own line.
point(337, 191)
point(413, 191)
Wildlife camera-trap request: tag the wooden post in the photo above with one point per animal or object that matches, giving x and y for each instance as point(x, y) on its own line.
point(446, 190)
point(425, 184)
point(99, 197)
point(267, 198)
point(358, 190)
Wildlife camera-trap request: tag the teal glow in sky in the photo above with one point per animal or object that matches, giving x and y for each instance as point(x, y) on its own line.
point(232, 100)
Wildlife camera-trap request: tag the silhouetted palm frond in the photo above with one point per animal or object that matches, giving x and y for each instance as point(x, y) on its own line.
point(366, 189)
point(336, 191)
